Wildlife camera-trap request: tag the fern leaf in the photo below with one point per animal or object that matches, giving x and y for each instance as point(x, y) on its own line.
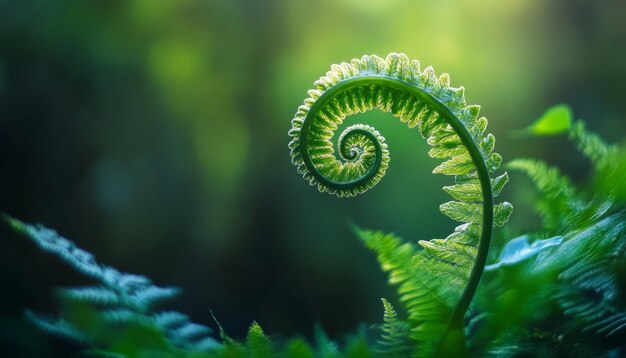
point(458, 165)
point(298, 348)
point(58, 327)
point(428, 287)
point(463, 212)
point(148, 297)
point(558, 196)
point(589, 291)
point(324, 347)
point(258, 343)
point(94, 295)
point(395, 334)
point(118, 298)
point(450, 126)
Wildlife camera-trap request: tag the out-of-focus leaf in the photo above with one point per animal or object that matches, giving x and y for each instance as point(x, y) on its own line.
point(609, 175)
point(555, 120)
point(519, 249)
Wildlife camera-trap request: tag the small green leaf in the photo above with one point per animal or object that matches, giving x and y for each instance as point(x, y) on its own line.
point(454, 253)
point(447, 150)
point(468, 192)
point(555, 120)
point(501, 213)
point(494, 161)
point(325, 347)
point(498, 183)
point(458, 165)
point(462, 212)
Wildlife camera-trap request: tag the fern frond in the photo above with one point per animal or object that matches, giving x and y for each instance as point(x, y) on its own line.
point(99, 295)
point(324, 347)
point(590, 284)
point(428, 286)
point(453, 129)
point(258, 344)
point(549, 180)
point(119, 298)
point(558, 197)
point(395, 334)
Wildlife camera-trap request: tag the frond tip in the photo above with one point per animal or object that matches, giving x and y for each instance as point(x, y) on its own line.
point(394, 340)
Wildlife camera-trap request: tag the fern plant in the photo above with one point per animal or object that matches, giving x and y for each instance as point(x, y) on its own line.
point(119, 302)
point(558, 291)
point(438, 283)
point(577, 259)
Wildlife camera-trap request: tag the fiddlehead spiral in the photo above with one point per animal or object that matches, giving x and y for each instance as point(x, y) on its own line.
point(439, 112)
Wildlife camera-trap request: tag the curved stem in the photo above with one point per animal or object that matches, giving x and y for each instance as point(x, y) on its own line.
point(456, 318)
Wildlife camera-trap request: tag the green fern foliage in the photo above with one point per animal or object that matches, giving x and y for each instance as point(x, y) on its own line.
point(258, 344)
point(394, 339)
point(119, 302)
point(580, 271)
point(428, 287)
point(557, 195)
point(325, 347)
point(117, 318)
point(558, 291)
point(591, 292)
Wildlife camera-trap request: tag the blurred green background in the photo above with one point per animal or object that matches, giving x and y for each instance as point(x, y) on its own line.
point(154, 134)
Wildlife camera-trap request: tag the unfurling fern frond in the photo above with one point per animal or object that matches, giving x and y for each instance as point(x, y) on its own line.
point(119, 301)
point(454, 131)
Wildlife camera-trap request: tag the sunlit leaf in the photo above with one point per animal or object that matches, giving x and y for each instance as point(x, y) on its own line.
point(555, 120)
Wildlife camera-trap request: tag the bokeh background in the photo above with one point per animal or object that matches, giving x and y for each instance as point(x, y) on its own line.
point(154, 134)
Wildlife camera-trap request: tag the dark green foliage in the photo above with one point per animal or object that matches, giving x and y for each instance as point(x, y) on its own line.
point(117, 313)
point(570, 290)
point(117, 319)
